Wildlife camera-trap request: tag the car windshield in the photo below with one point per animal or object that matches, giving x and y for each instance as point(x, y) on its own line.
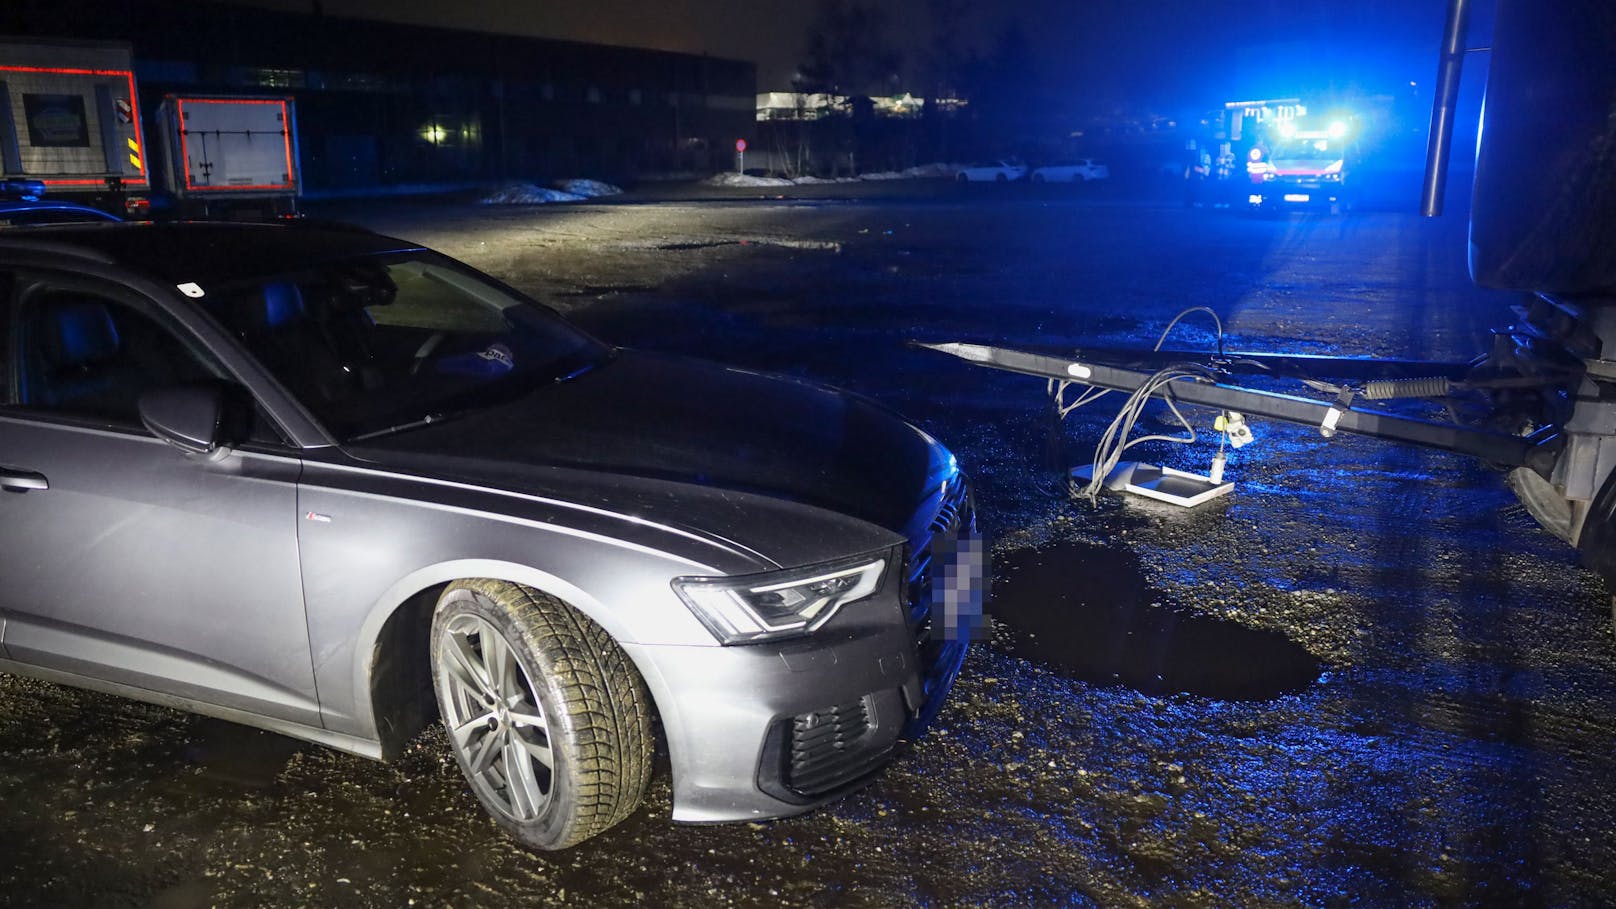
point(381, 344)
point(1307, 150)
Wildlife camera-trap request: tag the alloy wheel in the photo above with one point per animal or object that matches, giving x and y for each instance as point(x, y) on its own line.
point(495, 720)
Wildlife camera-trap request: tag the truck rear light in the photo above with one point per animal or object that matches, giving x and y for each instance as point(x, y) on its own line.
point(137, 206)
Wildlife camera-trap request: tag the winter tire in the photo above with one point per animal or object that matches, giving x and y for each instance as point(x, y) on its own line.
point(546, 715)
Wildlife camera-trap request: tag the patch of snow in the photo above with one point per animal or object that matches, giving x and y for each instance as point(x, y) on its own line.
point(934, 169)
point(921, 172)
point(734, 179)
point(528, 194)
point(589, 189)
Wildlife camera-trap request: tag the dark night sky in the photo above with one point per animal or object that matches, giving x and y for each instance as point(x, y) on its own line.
point(1136, 52)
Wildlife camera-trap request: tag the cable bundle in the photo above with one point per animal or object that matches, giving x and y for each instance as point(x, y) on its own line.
point(1115, 441)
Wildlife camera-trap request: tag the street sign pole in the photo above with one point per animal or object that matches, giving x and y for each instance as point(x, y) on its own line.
point(740, 156)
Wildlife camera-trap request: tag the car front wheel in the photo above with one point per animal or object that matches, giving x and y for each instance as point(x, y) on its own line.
point(546, 715)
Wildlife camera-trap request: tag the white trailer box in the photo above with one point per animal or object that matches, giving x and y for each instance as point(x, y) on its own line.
point(230, 154)
point(70, 118)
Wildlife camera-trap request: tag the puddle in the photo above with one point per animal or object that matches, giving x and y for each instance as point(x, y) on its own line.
point(1087, 611)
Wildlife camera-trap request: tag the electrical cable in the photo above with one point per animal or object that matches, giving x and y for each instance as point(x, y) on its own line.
point(1057, 388)
point(1115, 440)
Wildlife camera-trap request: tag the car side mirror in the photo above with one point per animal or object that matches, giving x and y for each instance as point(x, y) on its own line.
point(188, 417)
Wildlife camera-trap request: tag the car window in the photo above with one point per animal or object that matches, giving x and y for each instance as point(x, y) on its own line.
point(371, 344)
point(90, 354)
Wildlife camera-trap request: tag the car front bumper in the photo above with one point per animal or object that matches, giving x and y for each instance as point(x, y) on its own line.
point(760, 732)
point(1298, 193)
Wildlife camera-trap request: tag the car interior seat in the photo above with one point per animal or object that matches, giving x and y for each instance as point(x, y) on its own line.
point(281, 331)
point(79, 365)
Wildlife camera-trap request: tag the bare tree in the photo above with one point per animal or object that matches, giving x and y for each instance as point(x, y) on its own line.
point(944, 70)
point(850, 54)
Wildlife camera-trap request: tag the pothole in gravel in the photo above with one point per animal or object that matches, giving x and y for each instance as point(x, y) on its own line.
point(1087, 611)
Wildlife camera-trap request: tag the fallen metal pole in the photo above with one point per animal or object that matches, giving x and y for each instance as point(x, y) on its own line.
point(1496, 447)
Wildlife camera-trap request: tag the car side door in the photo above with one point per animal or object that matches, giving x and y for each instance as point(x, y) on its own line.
point(128, 561)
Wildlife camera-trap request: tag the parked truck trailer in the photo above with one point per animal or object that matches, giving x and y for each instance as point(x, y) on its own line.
point(228, 156)
point(70, 119)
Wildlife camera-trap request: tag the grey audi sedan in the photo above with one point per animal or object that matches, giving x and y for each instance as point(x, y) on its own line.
point(338, 486)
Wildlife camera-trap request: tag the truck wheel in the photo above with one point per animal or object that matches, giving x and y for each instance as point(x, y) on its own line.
point(546, 715)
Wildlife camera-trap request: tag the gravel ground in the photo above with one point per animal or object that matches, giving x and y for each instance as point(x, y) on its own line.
point(1365, 678)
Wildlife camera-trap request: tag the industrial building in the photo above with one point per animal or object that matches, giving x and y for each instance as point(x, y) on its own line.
point(389, 107)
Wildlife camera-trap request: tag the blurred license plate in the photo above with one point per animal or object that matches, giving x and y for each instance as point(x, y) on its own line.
point(959, 582)
point(1297, 197)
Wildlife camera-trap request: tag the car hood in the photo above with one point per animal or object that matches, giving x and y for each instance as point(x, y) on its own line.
point(686, 421)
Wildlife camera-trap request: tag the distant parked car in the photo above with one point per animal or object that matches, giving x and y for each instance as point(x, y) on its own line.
point(991, 172)
point(1078, 170)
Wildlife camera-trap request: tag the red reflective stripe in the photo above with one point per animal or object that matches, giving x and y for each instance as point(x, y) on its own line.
point(71, 72)
point(134, 122)
point(91, 182)
point(286, 140)
point(185, 156)
point(215, 189)
point(236, 101)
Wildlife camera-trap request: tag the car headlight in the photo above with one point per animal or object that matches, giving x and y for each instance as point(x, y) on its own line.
point(779, 604)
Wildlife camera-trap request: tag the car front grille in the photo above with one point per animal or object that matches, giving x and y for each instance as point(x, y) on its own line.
point(831, 747)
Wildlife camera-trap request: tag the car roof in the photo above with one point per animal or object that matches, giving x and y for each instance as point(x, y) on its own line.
point(203, 251)
point(64, 213)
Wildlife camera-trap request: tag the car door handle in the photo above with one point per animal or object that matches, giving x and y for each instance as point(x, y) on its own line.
point(22, 480)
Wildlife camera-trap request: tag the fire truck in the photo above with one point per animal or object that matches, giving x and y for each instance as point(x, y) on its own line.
point(1298, 163)
point(70, 120)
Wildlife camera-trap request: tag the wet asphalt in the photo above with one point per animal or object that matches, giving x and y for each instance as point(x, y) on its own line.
point(1365, 677)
